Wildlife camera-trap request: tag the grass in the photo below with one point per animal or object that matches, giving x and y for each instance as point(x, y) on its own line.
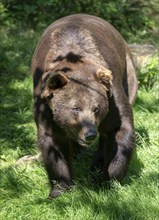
point(24, 187)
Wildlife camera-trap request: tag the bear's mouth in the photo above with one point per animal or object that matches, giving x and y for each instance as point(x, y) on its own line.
point(85, 143)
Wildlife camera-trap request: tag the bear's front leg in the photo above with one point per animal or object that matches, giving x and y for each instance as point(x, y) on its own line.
point(56, 162)
point(120, 144)
point(121, 140)
point(112, 157)
point(116, 145)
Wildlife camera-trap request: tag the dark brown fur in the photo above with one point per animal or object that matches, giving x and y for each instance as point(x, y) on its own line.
point(84, 84)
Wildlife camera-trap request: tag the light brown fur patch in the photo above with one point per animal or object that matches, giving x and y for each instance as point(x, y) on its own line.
point(105, 76)
point(78, 42)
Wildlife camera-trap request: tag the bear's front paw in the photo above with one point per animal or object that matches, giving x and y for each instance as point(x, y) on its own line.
point(117, 168)
point(54, 193)
point(58, 189)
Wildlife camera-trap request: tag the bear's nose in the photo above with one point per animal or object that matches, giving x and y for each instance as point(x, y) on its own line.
point(91, 135)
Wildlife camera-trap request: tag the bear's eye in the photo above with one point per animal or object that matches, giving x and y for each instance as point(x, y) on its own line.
point(76, 110)
point(96, 110)
point(48, 98)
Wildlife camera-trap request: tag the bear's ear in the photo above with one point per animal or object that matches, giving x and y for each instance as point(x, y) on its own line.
point(105, 76)
point(53, 82)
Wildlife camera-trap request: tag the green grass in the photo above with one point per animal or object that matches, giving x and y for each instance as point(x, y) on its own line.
point(24, 187)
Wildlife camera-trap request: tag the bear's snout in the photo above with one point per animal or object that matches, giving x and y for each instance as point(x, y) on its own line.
point(91, 134)
point(88, 133)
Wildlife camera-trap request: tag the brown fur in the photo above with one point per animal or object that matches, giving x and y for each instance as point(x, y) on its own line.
point(84, 83)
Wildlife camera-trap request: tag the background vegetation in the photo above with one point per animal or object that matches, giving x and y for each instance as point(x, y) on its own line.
point(131, 18)
point(24, 187)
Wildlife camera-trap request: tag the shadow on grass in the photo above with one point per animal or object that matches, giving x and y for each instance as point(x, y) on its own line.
point(13, 183)
point(16, 130)
point(20, 179)
point(15, 88)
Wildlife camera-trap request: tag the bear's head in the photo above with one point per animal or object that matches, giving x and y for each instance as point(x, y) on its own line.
point(79, 102)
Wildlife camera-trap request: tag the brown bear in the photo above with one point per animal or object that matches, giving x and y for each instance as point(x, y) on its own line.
point(84, 85)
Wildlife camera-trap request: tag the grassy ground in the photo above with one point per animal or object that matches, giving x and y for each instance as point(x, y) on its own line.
point(24, 187)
